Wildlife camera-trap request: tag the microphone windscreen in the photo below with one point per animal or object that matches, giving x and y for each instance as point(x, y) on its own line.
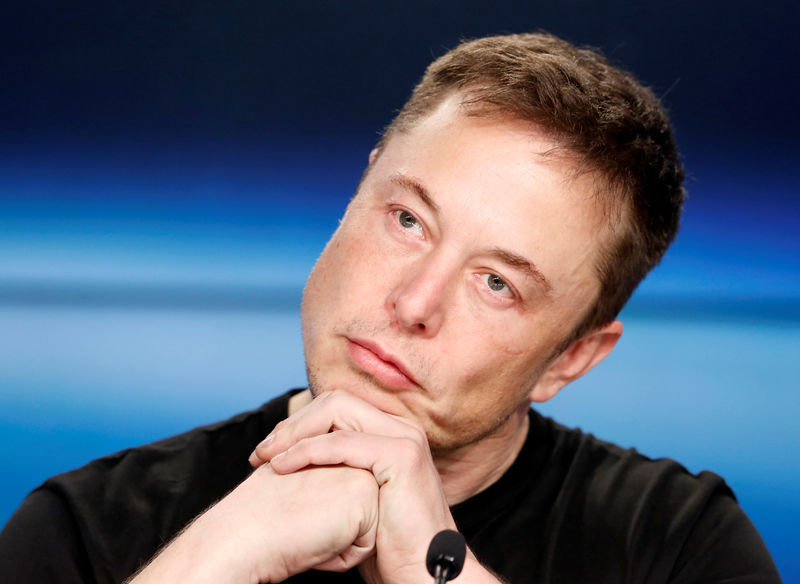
point(448, 549)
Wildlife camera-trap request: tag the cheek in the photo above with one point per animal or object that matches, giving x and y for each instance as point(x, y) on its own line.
point(504, 353)
point(360, 242)
point(349, 281)
point(513, 350)
point(490, 355)
point(339, 264)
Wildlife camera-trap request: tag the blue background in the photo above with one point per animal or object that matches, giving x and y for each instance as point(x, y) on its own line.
point(169, 172)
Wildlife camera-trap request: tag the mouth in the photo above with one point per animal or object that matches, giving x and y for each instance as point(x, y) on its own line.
point(386, 369)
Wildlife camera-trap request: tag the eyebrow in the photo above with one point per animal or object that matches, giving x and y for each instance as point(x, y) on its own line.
point(523, 265)
point(413, 185)
point(515, 261)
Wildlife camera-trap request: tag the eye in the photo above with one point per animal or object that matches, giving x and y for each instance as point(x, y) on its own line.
point(496, 284)
point(407, 221)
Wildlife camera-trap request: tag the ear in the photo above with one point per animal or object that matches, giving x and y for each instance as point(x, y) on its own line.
point(576, 360)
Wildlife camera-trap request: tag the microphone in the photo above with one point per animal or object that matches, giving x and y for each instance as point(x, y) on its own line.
point(446, 555)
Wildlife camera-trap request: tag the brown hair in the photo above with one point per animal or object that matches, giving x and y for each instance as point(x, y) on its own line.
point(601, 116)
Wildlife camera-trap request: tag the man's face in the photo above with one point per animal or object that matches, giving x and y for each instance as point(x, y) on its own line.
point(461, 264)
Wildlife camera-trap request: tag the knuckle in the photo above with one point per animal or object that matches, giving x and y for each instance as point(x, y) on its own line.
point(339, 398)
point(301, 447)
point(323, 396)
point(360, 483)
point(414, 430)
point(419, 435)
point(409, 450)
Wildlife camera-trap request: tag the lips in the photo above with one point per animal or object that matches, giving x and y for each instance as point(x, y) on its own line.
point(383, 367)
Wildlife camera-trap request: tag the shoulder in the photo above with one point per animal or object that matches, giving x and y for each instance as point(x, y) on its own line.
point(125, 506)
point(41, 543)
point(201, 459)
point(652, 515)
point(615, 477)
point(611, 474)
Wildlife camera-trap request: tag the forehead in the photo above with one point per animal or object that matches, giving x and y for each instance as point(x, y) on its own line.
point(456, 115)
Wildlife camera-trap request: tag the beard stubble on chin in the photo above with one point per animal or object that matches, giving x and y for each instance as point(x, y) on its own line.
point(445, 436)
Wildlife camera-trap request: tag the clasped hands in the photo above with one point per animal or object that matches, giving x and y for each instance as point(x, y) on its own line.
point(390, 501)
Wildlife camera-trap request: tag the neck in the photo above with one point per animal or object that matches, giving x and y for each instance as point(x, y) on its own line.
point(471, 469)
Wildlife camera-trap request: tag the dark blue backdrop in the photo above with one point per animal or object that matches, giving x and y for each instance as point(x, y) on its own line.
point(170, 170)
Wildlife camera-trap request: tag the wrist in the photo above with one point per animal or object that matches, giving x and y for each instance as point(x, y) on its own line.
point(190, 558)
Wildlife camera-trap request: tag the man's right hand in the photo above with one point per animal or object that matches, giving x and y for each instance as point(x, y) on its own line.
point(273, 526)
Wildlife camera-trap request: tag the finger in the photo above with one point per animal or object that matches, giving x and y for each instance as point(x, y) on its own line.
point(264, 451)
point(334, 564)
point(255, 460)
point(362, 548)
point(343, 447)
point(353, 449)
point(349, 558)
point(257, 457)
point(334, 411)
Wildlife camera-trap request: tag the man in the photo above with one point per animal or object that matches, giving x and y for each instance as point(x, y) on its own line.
point(504, 219)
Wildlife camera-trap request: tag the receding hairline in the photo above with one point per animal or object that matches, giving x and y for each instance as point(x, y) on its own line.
point(472, 105)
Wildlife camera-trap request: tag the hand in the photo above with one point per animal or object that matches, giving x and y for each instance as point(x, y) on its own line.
point(273, 526)
point(338, 428)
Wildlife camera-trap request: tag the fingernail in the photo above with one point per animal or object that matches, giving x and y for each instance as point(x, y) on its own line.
point(266, 441)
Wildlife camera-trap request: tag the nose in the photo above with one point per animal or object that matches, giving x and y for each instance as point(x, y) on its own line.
point(417, 302)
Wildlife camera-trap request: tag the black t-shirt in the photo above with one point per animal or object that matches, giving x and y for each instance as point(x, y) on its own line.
point(570, 509)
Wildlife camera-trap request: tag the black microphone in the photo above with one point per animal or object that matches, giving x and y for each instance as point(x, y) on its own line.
point(446, 555)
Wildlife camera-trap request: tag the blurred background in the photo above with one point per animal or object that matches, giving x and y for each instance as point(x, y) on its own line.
point(170, 170)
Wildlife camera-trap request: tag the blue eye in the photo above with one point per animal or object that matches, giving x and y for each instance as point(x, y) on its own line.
point(496, 284)
point(408, 221)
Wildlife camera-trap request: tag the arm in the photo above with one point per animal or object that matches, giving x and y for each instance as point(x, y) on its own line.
point(271, 527)
point(724, 546)
point(42, 543)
